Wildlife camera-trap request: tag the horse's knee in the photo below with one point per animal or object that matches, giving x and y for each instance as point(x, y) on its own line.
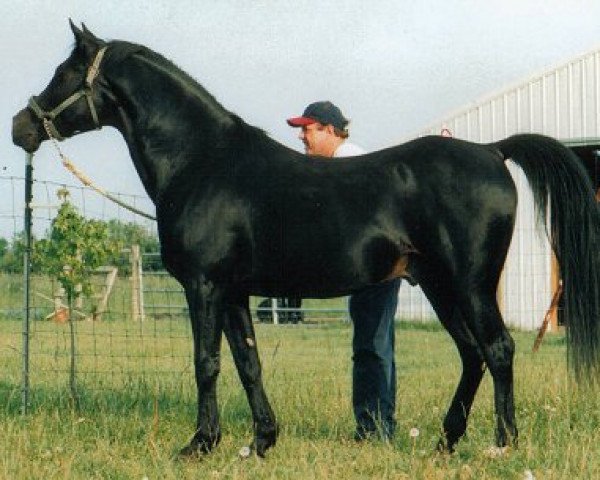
point(250, 373)
point(207, 369)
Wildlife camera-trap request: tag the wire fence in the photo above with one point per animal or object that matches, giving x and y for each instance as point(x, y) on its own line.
point(99, 345)
point(134, 328)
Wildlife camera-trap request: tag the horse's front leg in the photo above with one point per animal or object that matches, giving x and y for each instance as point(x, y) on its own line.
point(242, 341)
point(206, 307)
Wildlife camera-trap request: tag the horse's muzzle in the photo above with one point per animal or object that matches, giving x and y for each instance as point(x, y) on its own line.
point(26, 131)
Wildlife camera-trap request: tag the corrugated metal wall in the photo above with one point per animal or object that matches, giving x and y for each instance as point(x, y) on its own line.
point(563, 103)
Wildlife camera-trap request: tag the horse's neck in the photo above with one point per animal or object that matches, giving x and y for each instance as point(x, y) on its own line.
point(164, 122)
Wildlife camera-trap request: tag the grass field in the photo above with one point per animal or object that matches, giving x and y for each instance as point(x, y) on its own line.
point(137, 408)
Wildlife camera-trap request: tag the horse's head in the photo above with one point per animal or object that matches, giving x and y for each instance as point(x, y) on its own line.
point(72, 102)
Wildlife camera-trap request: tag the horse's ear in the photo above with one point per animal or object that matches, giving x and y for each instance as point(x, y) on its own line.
point(87, 32)
point(78, 33)
point(85, 41)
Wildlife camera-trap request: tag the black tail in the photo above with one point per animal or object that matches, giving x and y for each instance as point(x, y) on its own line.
point(562, 189)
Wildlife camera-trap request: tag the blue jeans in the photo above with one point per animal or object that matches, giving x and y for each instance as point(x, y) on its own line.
point(372, 311)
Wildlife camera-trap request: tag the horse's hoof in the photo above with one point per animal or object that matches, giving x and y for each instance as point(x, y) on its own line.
point(200, 445)
point(263, 442)
point(444, 447)
point(260, 447)
point(190, 451)
point(264, 439)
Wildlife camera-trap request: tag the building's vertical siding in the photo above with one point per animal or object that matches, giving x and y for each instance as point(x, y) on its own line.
point(563, 103)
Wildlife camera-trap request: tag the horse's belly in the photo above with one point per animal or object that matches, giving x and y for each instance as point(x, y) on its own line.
point(316, 278)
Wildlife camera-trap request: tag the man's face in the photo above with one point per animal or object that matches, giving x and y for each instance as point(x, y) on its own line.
point(317, 139)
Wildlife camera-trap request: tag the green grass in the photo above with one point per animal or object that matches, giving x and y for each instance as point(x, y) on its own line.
point(137, 408)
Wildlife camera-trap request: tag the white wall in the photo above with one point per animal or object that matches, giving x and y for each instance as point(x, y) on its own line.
point(564, 103)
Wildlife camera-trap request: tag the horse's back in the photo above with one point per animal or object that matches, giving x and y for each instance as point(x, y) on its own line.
point(321, 223)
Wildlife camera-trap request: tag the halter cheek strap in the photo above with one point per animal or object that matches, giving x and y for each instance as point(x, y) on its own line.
point(48, 116)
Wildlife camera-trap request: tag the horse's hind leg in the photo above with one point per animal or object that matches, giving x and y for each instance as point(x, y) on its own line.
point(444, 303)
point(242, 341)
point(485, 322)
point(455, 422)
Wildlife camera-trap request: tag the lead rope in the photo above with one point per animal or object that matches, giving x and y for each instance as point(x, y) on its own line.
point(83, 178)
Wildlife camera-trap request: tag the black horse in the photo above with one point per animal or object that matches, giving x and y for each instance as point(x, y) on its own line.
point(239, 214)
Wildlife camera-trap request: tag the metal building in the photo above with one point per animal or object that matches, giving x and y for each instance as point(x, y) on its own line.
point(564, 103)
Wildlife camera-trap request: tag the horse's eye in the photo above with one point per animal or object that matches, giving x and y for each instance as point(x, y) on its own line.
point(64, 75)
point(59, 76)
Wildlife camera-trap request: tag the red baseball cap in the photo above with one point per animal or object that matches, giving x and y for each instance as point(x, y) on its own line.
point(325, 113)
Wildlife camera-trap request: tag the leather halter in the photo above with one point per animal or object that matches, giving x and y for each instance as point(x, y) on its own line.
point(87, 92)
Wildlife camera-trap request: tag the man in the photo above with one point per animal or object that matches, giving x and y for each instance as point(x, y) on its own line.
point(324, 132)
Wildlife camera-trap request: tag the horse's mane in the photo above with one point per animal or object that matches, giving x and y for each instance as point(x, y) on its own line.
point(120, 51)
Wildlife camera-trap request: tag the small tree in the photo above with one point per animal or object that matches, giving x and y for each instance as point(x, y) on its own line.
point(73, 249)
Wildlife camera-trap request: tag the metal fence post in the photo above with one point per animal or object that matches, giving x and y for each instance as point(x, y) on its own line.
point(27, 275)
